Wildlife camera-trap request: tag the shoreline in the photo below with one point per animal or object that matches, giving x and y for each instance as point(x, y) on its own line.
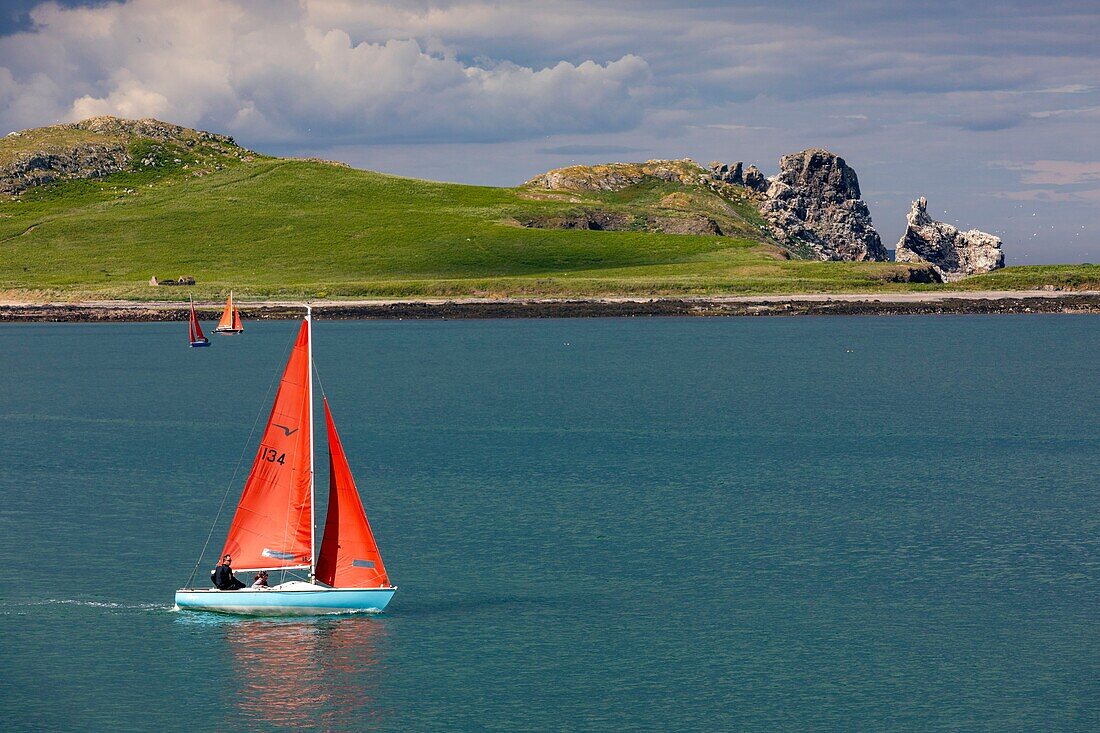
point(872, 304)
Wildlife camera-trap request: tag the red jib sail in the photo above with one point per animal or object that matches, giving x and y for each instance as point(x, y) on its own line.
point(349, 555)
point(231, 319)
point(271, 528)
point(194, 330)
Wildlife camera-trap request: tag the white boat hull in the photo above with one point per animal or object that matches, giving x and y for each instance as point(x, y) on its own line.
point(289, 599)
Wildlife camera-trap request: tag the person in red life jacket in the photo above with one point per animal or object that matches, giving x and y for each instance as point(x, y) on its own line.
point(223, 576)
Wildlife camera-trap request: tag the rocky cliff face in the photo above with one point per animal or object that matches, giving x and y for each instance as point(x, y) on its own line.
point(814, 205)
point(951, 253)
point(98, 147)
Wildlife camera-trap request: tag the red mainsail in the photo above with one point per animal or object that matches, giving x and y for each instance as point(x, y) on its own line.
point(194, 330)
point(231, 319)
point(271, 528)
point(349, 556)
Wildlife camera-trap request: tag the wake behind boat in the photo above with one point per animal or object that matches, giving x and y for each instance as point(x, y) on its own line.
point(274, 529)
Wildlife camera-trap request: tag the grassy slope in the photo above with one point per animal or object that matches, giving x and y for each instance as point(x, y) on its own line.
point(1029, 277)
point(271, 227)
point(736, 213)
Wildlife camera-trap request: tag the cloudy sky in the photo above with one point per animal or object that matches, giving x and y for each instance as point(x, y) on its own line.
point(991, 110)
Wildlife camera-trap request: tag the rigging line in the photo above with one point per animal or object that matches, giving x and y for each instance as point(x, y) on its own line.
point(317, 374)
point(240, 460)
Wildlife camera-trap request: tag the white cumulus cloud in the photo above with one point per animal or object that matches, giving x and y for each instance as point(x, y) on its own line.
point(267, 71)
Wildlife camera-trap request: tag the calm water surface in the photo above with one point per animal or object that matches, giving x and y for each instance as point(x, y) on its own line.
point(824, 524)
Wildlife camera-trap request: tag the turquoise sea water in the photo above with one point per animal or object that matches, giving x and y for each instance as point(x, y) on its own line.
point(824, 524)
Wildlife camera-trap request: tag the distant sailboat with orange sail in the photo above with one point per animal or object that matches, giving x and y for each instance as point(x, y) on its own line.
point(195, 335)
point(231, 318)
point(274, 528)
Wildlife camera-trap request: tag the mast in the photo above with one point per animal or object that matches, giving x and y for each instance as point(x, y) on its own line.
point(312, 473)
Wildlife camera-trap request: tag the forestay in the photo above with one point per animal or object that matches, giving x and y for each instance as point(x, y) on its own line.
point(271, 528)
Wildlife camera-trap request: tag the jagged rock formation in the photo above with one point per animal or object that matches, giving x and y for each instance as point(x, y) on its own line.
point(755, 180)
point(617, 176)
point(725, 173)
point(814, 206)
point(98, 147)
point(951, 253)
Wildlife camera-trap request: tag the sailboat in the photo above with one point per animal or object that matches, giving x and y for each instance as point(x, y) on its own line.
point(195, 335)
point(231, 318)
point(274, 529)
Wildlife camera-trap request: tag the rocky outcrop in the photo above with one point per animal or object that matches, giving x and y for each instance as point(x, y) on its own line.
point(101, 146)
point(814, 206)
point(84, 160)
point(736, 174)
point(951, 253)
point(727, 172)
point(617, 176)
point(148, 128)
point(755, 180)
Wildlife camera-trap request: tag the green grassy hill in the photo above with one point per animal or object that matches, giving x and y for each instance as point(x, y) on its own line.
point(270, 227)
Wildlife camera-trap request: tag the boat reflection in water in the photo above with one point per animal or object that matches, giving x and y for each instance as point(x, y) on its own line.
point(313, 674)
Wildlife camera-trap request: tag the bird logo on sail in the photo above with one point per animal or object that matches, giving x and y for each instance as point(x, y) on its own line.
point(285, 429)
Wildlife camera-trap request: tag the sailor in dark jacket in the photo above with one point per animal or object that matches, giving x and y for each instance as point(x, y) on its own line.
point(223, 576)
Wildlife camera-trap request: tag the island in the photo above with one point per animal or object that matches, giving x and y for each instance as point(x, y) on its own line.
point(98, 216)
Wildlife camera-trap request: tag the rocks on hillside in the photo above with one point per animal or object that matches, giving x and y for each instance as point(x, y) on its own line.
point(104, 152)
point(148, 127)
point(617, 176)
point(615, 221)
point(814, 204)
point(737, 175)
point(83, 160)
point(951, 253)
point(755, 180)
point(727, 172)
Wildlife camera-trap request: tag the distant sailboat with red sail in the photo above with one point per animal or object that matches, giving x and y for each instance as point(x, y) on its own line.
point(195, 335)
point(231, 318)
point(274, 526)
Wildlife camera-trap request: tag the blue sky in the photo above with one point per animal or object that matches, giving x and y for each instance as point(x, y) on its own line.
point(992, 111)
